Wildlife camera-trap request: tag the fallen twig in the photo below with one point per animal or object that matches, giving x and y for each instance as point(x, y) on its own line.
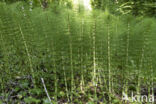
point(46, 90)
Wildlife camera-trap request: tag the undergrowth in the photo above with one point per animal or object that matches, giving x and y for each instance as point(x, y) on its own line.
point(82, 57)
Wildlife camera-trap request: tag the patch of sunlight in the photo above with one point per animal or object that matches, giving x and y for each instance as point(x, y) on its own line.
point(75, 2)
point(75, 5)
point(87, 4)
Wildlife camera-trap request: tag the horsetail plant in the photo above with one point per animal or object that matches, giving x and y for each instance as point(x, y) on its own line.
point(65, 78)
point(55, 72)
point(81, 58)
point(71, 56)
point(28, 55)
point(94, 78)
point(127, 55)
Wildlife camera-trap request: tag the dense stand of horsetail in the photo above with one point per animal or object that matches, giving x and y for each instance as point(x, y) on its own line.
point(74, 54)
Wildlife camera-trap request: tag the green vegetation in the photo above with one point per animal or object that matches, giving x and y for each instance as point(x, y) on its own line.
point(135, 7)
point(79, 57)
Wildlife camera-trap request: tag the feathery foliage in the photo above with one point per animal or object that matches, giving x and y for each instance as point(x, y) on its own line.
point(83, 57)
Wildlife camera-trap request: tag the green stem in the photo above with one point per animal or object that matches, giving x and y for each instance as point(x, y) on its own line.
point(28, 54)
